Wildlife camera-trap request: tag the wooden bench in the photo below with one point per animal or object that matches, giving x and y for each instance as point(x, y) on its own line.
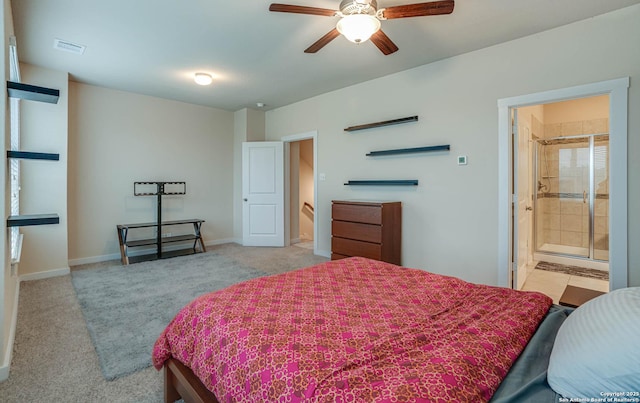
point(125, 243)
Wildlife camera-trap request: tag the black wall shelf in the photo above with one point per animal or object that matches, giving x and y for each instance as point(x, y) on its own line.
point(33, 219)
point(381, 124)
point(32, 92)
point(28, 155)
point(446, 147)
point(401, 182)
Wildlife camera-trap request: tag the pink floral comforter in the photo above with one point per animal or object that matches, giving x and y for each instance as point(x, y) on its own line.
point(353, 330)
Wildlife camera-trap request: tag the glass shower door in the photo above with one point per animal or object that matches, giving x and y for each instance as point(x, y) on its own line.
point(601, 198)
point(563, 197)
point(573, 188)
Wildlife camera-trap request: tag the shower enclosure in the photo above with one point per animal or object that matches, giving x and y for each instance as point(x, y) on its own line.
point(572, 197)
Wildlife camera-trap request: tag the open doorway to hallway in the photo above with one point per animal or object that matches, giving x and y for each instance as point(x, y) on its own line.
point(302, 209)
point(563, 175)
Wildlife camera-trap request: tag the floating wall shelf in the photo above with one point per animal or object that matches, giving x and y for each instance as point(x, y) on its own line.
point(446, 147)
point(33, 219)
point(401, 182)
point(381, 124)
point(32, 92)
point(28, 155)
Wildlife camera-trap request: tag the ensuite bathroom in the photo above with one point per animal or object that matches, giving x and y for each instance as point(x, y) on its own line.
point(565, 148)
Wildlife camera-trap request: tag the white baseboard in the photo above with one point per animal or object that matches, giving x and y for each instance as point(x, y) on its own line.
point(221, 241)
point(45, 274)
point(6, 365)
point(323, 253)
point(139, 252)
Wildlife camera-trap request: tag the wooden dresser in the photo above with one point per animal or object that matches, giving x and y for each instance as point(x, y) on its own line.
point(366, 228)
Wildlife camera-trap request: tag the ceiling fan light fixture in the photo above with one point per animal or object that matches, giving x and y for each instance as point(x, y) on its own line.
point(203, 79)
point(358, 28)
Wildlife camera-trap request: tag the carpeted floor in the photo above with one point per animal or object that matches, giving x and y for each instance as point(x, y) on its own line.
point(141, 299)
point(573, 270)
point(54, 359)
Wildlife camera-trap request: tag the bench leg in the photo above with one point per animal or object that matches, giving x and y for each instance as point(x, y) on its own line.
point(122, 239)
point(196, 229)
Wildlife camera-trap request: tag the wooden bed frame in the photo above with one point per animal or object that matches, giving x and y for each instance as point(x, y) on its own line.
point(180, 382)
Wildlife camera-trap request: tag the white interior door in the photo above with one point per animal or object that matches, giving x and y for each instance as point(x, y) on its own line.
point(263, 193)
point(522, 206)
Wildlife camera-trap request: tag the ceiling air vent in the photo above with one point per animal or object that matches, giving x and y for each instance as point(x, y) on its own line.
point(68, 46)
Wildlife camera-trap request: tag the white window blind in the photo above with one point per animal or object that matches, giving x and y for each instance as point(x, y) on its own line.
point(14, 164)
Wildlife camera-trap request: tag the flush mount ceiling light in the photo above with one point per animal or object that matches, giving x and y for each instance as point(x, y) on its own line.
point(360, 20)
point(203, 79)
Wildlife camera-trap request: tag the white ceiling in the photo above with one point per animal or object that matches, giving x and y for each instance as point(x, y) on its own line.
point(154, 47)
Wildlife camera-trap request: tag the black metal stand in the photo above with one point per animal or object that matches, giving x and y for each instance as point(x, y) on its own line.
point(159, 193)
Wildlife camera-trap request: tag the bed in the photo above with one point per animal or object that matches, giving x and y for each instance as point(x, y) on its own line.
point(355, 330)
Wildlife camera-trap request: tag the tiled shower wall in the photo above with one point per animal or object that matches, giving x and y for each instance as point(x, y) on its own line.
point(563, 216)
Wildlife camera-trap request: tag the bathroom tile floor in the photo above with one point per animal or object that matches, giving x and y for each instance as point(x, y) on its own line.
point(553, 284)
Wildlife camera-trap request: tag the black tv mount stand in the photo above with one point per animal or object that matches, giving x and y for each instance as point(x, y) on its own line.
point(161, 189)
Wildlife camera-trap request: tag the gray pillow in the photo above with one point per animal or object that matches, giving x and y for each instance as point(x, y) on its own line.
point(597, 349)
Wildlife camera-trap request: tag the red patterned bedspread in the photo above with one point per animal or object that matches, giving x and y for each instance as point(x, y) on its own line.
point(353, 330)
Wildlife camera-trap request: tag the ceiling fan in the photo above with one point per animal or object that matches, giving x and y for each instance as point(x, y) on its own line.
point(360, 20)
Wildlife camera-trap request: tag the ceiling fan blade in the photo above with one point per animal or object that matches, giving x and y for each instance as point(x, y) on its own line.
point(419, 9)
point(382, 41)
point(320, 43)
point(286, 8)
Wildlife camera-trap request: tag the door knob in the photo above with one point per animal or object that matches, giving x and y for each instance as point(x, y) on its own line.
point(245, 199)
point(528, 208)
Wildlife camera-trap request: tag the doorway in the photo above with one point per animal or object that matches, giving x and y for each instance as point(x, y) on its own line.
point(563, 182)
point(301, 193)
point(301, 190)
point(510, 213)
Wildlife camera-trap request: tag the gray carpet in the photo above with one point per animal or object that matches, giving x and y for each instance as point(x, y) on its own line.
point(127, 307)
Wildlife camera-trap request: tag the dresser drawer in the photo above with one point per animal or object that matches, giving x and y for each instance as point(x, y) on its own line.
point(357, 231)
point(349, 247)
point(357, 213)
point(335, 256)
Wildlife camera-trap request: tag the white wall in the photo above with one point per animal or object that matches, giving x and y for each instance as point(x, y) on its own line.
point(450, 221)
point(44, 183)
point(117, 138)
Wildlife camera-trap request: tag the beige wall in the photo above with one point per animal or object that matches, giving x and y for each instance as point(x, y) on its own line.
point(44, 128)
point(577, 109)
point(117, 138)
point(450, 221)
point(578, 116)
